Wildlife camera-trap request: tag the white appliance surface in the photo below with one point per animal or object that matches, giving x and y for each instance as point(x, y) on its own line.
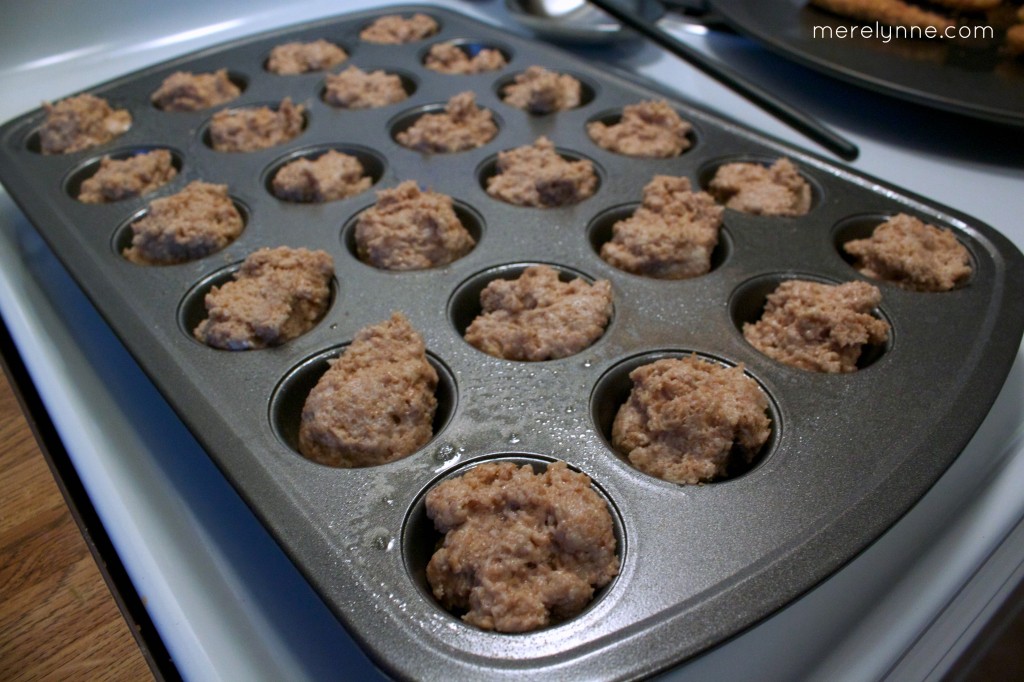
point(229, 604)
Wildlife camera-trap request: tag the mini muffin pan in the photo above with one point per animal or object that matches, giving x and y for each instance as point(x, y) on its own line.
point(849, 454)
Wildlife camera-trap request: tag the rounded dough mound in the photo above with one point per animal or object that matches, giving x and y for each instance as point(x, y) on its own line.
point(521, 550)
point(539, 317)
point(686, 418)
point(818, 327)
point(912, 254)
point(376, 403)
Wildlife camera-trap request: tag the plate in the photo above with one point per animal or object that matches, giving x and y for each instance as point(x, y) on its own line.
point(974, 78)
point(568, 21)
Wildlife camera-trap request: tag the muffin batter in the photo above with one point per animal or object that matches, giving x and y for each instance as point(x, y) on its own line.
point(463, 125)
point(376, 403)
point(539, 317)
point(536, 175)
point(410, 229)
point(253, 128)
point(354, 88)
point(296, 58)
point(185, 91)
point(671, 235)
point(79, 123)
point(818, 327)
point(191, 224)
point(912, 254)
point(329, 177)
point(452, 59)
point(686, 419)
point(395, 29)
point(521, 550)
point(277, 295)
point(134, 176)
point(540, 91)
point(777, 190)
point(650, 129)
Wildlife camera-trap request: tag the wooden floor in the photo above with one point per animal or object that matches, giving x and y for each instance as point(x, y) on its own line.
point(58, 620)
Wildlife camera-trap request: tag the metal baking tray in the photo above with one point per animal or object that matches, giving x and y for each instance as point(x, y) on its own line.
point(849, 455)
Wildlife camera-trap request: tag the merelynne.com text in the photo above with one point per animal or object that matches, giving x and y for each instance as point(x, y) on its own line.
point(886, 33)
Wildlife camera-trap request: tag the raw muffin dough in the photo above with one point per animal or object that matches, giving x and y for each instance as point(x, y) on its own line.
point(537, 175)
point(777, 190)
point(915, 255)
point(294, 58)
point(818, 327)
point(191, 224)
point(376, 403)
point(651, 129)
point(331, 176)
point(277, 295)
point(1015, 39)
point(395, 29)
point(463, 125)
point(892, 12)
point(671, 235)
point(452, 59)
point(409, 229)
point(253, 128)
point(354, 88)
point(119, 179)
point(540, 91)
point(687, 419)
point(521, 550)
point(80, 122)
point(185, 91)
point(539, 317)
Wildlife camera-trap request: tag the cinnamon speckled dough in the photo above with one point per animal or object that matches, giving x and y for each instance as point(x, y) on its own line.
point(1015, 38)
point(79, 123)
point(777, 190)
point(250, 129)
point(463, 125)
point(354, 88)
point(395, 29)
point(649, 129)
point(410, 229)
point(521, 550)
point(195, 222)
point(329, 177)
point(818, 327)
point(892, 12)
point(912, 254)
point(671, 235)
point(685, 419)
point(539, 317)
point(186, 91)
point(277, 295)
point(376, 403)
point(452, 59)
point(537, 175)
point(119, 179)
point(540, 91)
point(294, 58)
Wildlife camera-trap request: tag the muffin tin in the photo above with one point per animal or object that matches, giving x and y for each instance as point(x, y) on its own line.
point(848, 456)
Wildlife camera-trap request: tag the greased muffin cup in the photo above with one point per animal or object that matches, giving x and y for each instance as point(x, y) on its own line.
point(848, 454)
